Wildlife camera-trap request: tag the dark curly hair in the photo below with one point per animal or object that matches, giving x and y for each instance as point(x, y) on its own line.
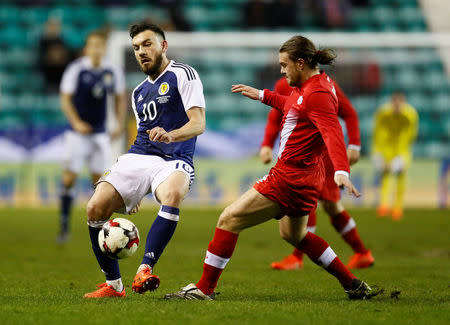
point(143, 26)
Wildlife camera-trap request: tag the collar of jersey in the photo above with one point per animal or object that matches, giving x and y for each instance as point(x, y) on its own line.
point(162, 73)
point(87, 62)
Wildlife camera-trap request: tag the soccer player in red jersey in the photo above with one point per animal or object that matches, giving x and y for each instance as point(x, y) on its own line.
point(330, 195)
point(290, 191)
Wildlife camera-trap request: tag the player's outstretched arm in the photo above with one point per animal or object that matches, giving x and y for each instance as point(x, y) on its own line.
point(343, 181)
point(194, 127)
point(245, 90)
point(266, 96)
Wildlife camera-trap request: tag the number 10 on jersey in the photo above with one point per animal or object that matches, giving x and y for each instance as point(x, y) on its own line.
point(149, 111)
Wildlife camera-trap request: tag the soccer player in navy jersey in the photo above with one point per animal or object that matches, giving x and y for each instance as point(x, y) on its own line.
point(170, 113)
point(85, 87)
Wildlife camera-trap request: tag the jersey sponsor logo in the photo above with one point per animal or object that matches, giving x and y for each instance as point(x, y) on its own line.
point(300, 100)
point(163, 89)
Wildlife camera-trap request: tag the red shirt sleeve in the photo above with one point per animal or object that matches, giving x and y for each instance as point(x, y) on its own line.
point(272, 127)
point(348, 113)
point(322, 112)
point(275, 100)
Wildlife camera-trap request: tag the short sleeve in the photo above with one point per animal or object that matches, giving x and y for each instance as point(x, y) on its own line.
point(191, 91)
point(69, 79)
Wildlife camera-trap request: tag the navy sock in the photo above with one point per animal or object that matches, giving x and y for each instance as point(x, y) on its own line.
point(109, 266)
point(66, 205)
point(160, 234)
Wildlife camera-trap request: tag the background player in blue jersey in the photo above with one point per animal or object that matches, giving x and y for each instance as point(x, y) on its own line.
point(86, 86)
point(170, 112)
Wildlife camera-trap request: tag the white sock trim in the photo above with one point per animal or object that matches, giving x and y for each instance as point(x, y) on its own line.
point(116, 284)
point(168, 216)
point(96, 224)
point(327, 257)
point(311, 229)
point(216, 261)
point(349, 226)
point(144, 266)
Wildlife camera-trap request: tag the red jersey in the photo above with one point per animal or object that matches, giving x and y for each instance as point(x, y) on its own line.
point(309, 124)
point(346, 111)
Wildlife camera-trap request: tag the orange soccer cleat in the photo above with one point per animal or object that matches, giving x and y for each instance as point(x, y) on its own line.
point(105, 291)
point(383, 211)
point(290, 262)
point(397, 214)
point(145, 281)
point(361, 260)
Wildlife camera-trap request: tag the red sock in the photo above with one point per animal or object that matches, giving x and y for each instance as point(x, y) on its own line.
point(321, 253)
point(220, 249)
point(311, 226)
point(346, 226)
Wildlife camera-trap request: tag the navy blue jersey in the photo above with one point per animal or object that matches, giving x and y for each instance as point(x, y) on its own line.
point(90, 88)
point(163, 102)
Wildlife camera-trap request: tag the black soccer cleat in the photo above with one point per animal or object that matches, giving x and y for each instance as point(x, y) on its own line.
point(361, 290)
point(190, 292)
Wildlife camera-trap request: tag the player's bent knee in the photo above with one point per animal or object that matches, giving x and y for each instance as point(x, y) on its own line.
point(95, 211)
point(172, 197)
point(286, 235)
point(293, 238)
point(228, 220)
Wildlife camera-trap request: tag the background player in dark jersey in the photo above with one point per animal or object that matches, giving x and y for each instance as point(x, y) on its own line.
point(170, 113)
point(290, 191)
point(85, 86)
point(330, 195)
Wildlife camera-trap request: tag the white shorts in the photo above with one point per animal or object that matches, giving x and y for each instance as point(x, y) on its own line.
point(134, 176)
point(82, 148)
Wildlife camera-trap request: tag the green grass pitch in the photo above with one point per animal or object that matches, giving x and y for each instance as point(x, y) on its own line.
point(43, 283)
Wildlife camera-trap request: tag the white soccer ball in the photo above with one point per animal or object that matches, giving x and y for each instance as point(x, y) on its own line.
point(119, 238)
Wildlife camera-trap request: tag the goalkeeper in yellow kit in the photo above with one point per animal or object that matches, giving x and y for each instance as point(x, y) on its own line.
point(394, 133)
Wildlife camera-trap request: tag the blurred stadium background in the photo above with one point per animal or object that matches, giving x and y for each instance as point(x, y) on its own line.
point(382, 45)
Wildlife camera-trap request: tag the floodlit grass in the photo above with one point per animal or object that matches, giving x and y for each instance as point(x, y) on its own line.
point(43, 283)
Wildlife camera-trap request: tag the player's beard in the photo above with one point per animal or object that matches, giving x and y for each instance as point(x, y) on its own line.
point(153, 71)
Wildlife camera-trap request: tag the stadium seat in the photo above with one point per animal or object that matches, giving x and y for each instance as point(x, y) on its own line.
point(74, 37)
point(225, 17)
point(216, 81)
point(383, 18)
point(9, 15)
point(441, 103)
point(420, 102)
point(411, 18)
point(87, 16)
point(199, 16)
point(117, 16)
point(359, 18)
point(35, 17)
